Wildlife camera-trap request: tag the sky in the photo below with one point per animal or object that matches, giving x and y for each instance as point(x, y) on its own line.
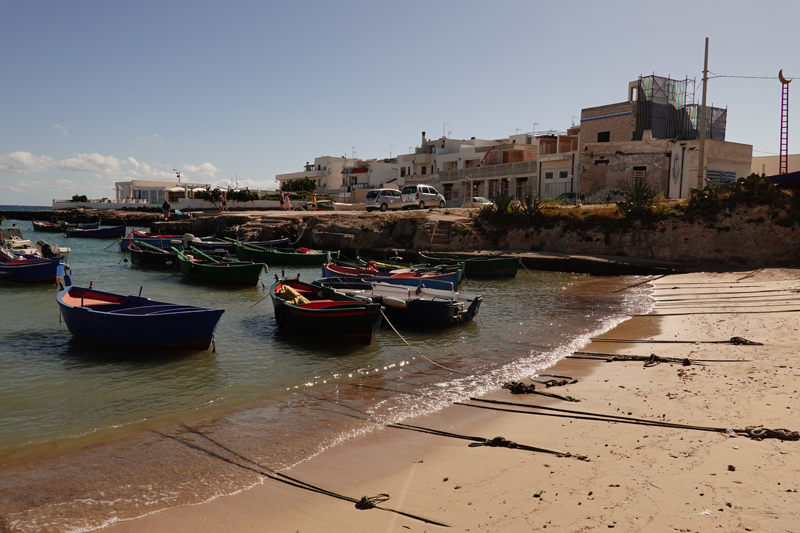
point(236, 92)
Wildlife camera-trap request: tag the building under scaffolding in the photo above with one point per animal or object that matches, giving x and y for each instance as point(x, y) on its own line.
point(666, 107)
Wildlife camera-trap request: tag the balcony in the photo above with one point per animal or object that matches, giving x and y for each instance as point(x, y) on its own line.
point(507, 170)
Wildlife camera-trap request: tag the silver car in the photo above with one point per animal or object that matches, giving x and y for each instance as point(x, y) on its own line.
point(421, 196)
point(383, 199)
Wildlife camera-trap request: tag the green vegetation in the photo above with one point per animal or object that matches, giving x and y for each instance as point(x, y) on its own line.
point(79, 198)
point(304, 185)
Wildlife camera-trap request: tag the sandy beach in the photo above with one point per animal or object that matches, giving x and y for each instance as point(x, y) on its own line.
point(590, 471)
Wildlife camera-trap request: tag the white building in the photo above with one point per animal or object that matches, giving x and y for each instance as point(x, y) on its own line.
point(326, 171)
point(155, 192)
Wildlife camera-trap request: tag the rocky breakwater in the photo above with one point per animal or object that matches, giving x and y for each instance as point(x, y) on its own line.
point(326, 231)
point(108, 217)
point(747, 236)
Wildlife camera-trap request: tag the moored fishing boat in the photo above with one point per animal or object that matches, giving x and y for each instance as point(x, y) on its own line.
point(274, 256)
point(49, 227)
point(323, 312)
point(143, 255)
point(211, 245)
point(203, 267)
point(408, 305)
point(135, 320)
point(333, 270)
point(29, 270)
point(97, 233)
point(499, 267)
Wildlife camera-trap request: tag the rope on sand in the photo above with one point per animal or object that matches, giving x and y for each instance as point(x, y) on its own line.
point(497, 442)
point(517, 387)
point(610, 357)
point(740, 341)
point(754, 432)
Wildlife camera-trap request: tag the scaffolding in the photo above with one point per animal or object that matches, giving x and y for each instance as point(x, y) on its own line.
point(666, 107)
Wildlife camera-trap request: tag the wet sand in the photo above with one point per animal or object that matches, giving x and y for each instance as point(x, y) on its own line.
point(638, 477)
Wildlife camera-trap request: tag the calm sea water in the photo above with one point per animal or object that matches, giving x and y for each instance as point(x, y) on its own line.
point(91, 434)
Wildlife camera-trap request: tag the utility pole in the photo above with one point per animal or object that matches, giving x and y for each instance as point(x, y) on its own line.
point(701, 155)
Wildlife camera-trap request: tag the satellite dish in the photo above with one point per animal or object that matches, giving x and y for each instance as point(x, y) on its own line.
point(783, 80)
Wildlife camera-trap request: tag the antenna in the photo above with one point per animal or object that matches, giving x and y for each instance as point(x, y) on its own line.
point(390, 150)
point(534, 128)
point(354, 153)
point(443, 126)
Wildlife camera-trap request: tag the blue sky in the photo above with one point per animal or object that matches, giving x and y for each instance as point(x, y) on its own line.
point(95, 92)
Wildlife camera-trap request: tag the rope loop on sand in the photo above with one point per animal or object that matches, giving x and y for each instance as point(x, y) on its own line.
point(517, 387)
point(497, 442)
point(370, 502)
point(557, 381)
point(744, 342)
point(760, 433)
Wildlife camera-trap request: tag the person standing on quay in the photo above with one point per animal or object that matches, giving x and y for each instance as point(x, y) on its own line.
point(280, 197)
point(288, 202)
point(224, 202)
point(219, 201)
point(165, 209)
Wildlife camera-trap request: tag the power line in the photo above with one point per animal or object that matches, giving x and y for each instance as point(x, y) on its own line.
point(745, 77)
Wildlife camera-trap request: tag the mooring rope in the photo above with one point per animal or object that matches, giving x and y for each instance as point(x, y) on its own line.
point(418, 352)
point(496, 442)
point(369, 502)
point(610, 357)
point(740, 341)
point(517, 387)
point(640, 283)
point(755, 432)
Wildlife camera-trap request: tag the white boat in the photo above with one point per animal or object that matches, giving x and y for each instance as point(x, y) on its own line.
point(12, 240)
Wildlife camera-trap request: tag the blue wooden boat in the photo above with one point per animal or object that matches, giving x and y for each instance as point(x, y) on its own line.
point(164, 243)
point(134, 320)
point(427, 283)
point(28, 269)
point(97, 233)
point(790, 180)
point(332, 270)
point(408, 305)
point(319, 311)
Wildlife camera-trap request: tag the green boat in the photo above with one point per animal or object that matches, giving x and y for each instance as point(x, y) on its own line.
point(203, 267)
point(276, 256)
point(488, 267)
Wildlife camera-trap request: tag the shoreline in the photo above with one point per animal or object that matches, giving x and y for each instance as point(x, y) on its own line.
point(638, 477)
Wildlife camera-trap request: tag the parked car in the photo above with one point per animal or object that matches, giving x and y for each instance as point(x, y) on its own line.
point(383, 199)
point(478, 201)
point(567, 198)
point(421, 196)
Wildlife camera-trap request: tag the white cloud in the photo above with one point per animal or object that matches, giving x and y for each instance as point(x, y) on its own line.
point(63, 129)
point(105, 164)
point(205, 171)
point(24, 163)
point(22, 185)
point(155, 138)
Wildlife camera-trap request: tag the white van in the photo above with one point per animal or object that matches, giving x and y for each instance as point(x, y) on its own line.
point(421, 196)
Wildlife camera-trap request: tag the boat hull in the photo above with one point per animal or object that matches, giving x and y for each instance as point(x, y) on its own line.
point(489, 267)
point(31, 270)
point(152, 259)
point(334, 271)
point(135, 321)
point(247, 252)
point(229, 273)
point(97, 233)
point(347, 320)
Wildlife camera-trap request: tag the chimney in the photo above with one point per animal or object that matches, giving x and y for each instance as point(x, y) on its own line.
point(423, 137)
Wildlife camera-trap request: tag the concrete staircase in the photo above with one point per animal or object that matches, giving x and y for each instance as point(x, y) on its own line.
point(441, 235)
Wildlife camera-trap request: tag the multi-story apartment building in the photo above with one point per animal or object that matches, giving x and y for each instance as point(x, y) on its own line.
point(326, 171)
point(655, 136)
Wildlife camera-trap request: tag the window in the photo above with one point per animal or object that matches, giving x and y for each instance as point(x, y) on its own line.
point(424, 170)
point(563, 175)
point(604, 137)
point(402, 172)
point(548, 175)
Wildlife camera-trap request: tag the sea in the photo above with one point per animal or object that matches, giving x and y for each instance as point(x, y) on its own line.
point(91, 434)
